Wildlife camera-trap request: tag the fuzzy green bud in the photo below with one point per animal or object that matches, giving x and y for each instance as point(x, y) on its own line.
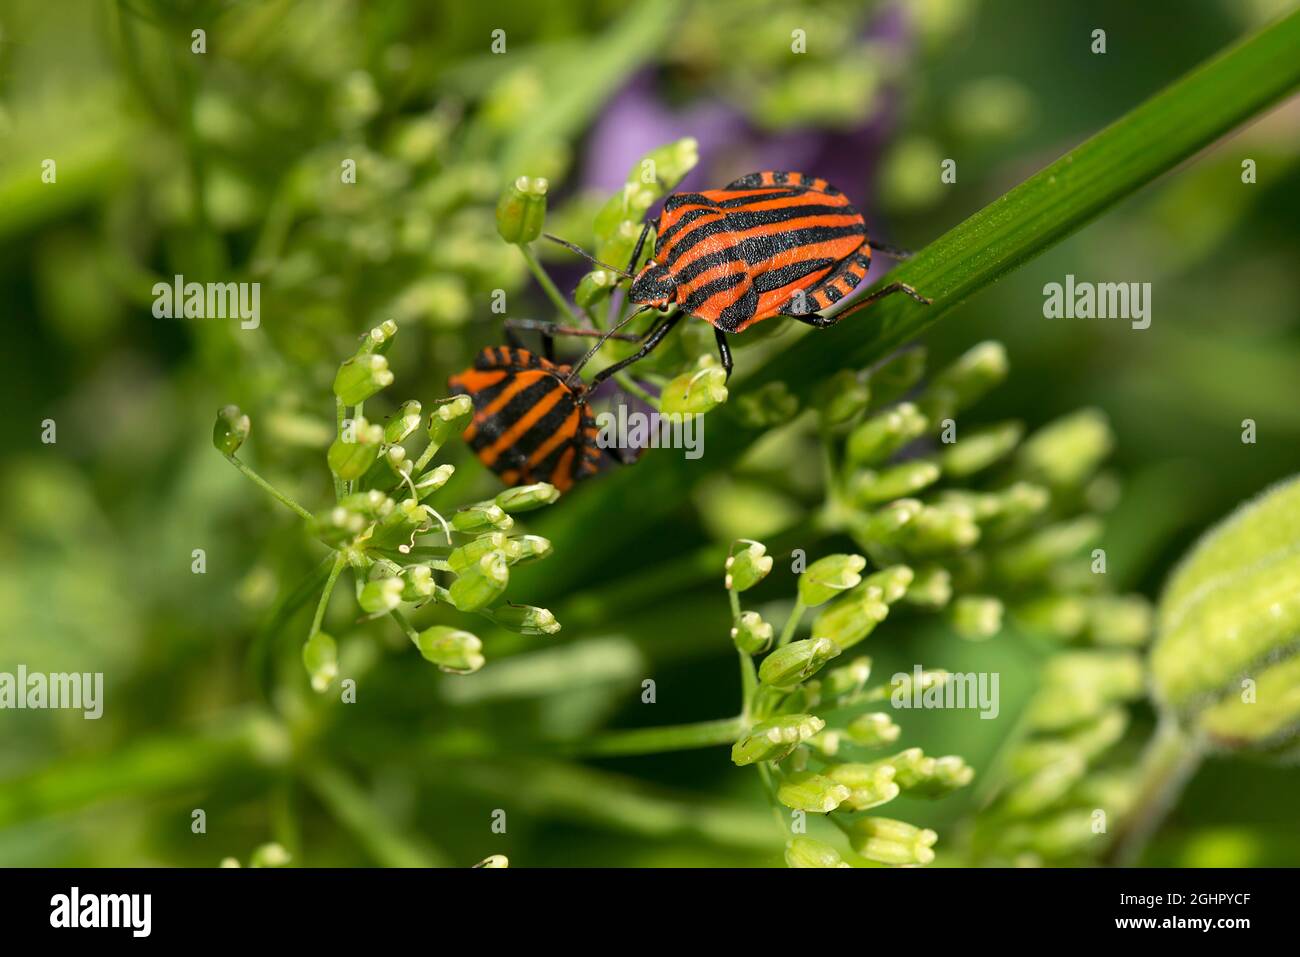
point(751, 634)
point(847, 679)
point(449, 419)
point(873, 730)
point(525, 498)
point(472, 552)
point(594, 287)
point(806, 852)
point(337, 525)
point(870, 488)
point(432, 480)
point(482, 583)
point(747, 565)
point(1061, 616)
point(775, 739)
point(417, 583)
point(1066, 452)
point(942, 528)
point(525, 619)
point(828, 577)
point(521, 211)
point(480, 517)
point(231, 429)
point(884, 433)
point(869, 785)
point(850, 619)
point(400, 526)
point(808, 791)
point(886, 841)
point(381, 596)
point(796, 662)
point(269, 855)
point(378, 340)
point(892, 582)
point(944, 775)
point(965, 381)
point(885, 526)
point(352, 453)
point(980, 449)
point(496, 860)
point(320, 657)
point(896, 376)
point(1031, 558)
point(361, 377)
point(931, 588)
point(770, 405)
point(694, 393)
point(404, 421)
point(976, 617)
point(451, 649)
point(1123, 621)
point(528, 548)
point(842, 398)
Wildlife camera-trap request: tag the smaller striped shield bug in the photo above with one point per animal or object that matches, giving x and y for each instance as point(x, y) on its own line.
point(768, 244)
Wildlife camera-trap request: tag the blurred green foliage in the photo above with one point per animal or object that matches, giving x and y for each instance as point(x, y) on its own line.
point(229, 165)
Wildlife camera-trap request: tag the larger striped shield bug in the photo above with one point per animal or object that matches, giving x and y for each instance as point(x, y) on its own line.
point(768, 244)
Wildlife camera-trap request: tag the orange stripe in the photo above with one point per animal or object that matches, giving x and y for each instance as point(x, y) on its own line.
point(562, 477)
point(512, 435)
point(521, 381)
point(565, 433)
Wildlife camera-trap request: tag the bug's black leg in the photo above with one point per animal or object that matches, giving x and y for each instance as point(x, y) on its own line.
point(893, 252)
point(724, 351)
point(640, 245)
point(656, 336)
point(818, 321)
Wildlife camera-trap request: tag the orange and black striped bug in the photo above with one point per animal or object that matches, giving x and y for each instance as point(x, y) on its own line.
point(530, 425)
point(768, 244)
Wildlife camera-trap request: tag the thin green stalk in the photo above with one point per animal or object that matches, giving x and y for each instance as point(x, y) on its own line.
point(270, 489)
point(681, 737)
point(352, 807)
point(544, 280)
point(1152, 139)
point(340, 561)
point(792, 623)
point(339, 414)
point(406, 627)
point(1169, 762)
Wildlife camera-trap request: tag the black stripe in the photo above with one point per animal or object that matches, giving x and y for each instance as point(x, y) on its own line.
point(492, 427)
point(692, 199)
point(750, 219)
point(739, 312)
point(485, 395)
point(546, 426)
point(686, 219)
point(545, 470)
point(776, 278)
point(701, 295)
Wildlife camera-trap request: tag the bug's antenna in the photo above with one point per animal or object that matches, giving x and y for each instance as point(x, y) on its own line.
point(577, 366)
point(588, 256)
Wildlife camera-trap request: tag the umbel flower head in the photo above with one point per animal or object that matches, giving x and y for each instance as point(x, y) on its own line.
point(383, 525)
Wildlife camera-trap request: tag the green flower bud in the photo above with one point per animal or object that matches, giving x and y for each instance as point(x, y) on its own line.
point(481, 517)
point(417, 583)
point(850, 619)
point(361, 377)
point(827, 577)
point(981, 448)
point(869, 785)
point(892, 582)
point(1031, 558)
point(873, 730)
point(432, 480)
point(230, 430)
point(1078, 686)
point(770, 405)
point(525, 619)
point(828, 742)
point(400, 526)
point(694, 393)
point(965, 381)
point(1061, 616)
point(803, 699)
point(886, 841)
point(471, 553)
point(842, 398)
point(521, 211)
point(525, 498)
point(670, 164)
point(807, 791)
point(269, 855)
point(351, 460)
point(379, 339)
point(751, 634)
point(496, 860)
point(885, 526)
point(1119, 620)
point(796, 662)
point(530, 548)
point(320, 657)
point(481, 584)
point(1065, 453)
point(594, 287)
point(847, 679)
point(404, 421)
point(897, 376)
point(381, 596)
point(451, 649)
point(976, 617)
point(874, 488)
point(931, 588)
point(806, 852)
point(884, 433)
point(337, 525)
point(938, 529)
point(911, 767)
point(775, 739)
point(1046, 786)
point(747, 565)
point(945, 775)
point(372, 505)
point(449, 419)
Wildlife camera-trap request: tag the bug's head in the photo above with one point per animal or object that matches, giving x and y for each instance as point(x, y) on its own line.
point(653, 286)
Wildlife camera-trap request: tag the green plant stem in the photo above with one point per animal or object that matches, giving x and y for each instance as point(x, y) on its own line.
point(680, 737)
point(339, 414)
point(1152, 139)
point(1168, 764)
point(340, 562)
point(369, 823)
point(270, 489)
point(626, 381)
point(406, 627)
point(792, 623)
point(544, 280)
